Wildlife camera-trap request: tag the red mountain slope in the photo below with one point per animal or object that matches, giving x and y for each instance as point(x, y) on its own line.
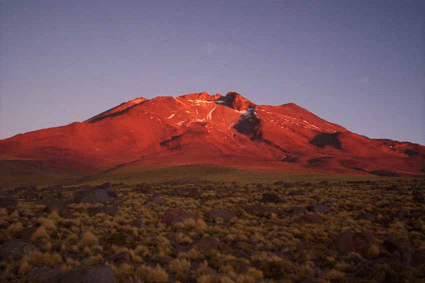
point(210, 129)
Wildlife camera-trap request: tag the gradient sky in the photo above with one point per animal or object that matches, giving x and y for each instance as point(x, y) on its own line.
point(360, 64)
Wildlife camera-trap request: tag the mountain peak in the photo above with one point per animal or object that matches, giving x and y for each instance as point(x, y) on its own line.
point(236, 101)
point(202, 96)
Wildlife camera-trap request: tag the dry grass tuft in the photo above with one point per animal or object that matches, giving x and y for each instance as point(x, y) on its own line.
point(40, 233)
point(180, 267)
point(89, 239)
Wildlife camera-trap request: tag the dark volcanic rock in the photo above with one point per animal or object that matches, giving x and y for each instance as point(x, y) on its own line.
point(8, 202)
point(119, 258)
point(285, 185)
point(326, 139)
point(206, 243)
point(29, 194)
point(358, 242)
point(299, 192)
point(4, 224)
point(137, 222)
point(111, 210)
point(318, 208)
point(157, 200)
point(187, 192)
point(259, 210)
point(393, 188)
point(224, 213)
point(26, 233)
point(367, 216)
point(44, 274)
point(14, 250)
point(109, 189)
point(87, 274)
point(385, 173)
point(53, 204)
point(249, 124)
point(418, 196)
point(390, 246)
point(270, 197)
point(91, 196)
point(311, 219)
point(173, 216)
point(143, 189)
point(56, 188)
point(299, 210)
point(418, 259)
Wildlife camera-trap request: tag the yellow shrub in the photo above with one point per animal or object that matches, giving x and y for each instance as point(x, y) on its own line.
point(89, 239)
point(255, 273)
point(180, 267)
point(48, 224)
point(54, 216)
point(74, 249)
point(335, 275)
point(87, 251)
point(93, 260)
point(159, 275)
point(182, 238)
point(24, 267)
point(72, 239)
point(37, 258)
point(69, 265)
point(373, 251)
point(123, 271)
point(15, 228)
point(40, 233)
point(226, 279)
point(14, 215)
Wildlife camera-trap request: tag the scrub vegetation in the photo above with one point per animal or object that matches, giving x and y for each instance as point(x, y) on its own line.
point(196, 231)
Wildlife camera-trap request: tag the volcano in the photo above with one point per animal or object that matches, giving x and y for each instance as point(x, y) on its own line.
point(200, 128)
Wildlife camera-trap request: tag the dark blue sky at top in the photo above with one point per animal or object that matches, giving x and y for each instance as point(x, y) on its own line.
point(360, 64)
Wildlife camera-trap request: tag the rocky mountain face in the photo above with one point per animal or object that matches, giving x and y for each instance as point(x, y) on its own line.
point(200, 128)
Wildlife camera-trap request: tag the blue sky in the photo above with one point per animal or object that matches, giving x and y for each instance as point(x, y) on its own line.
point(360, 64)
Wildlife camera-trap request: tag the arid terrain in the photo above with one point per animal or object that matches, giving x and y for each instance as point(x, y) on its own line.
point(197, 231)
point(210, 188)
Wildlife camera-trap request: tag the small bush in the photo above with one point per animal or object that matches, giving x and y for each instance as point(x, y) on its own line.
point(159, 275)
point(89, 239)
point(15, 228)
point(48, 224)
point(93, 260)
point(180, 267)
point(40, 233)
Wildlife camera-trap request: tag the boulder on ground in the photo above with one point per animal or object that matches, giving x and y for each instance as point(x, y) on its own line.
point(172, 216)
point(224, 213)
point(110, 210)
point(8, 202)
point(318, 208)
point(91, 196)
point(359, 242)
point(270, 197)
point(259, 210)
point(299, 210)
point(311, 219)
point(418, 196)
point(44, 274)
point(90, 274)
point(14, 250)
point(206, 243)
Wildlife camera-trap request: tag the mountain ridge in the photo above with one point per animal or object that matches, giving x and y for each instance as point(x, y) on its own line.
point(211, 129)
